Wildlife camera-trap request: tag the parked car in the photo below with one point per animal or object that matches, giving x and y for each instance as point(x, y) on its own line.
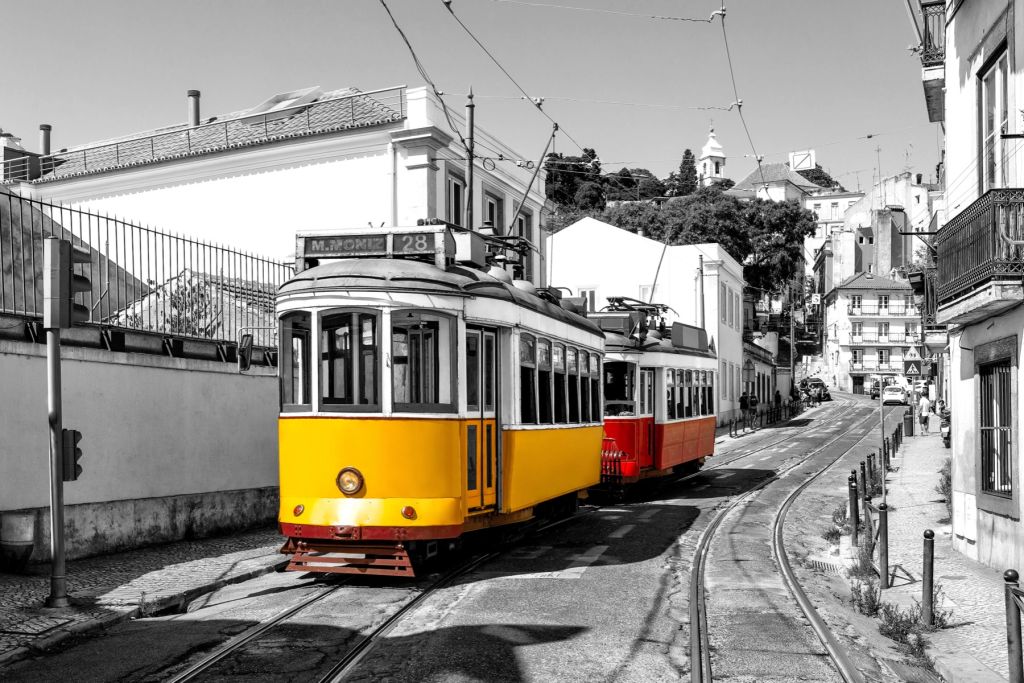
point(876, 390)
point(894, 394)
point(815, 382)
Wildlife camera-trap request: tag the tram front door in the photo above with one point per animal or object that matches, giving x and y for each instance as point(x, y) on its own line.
point(481, 424)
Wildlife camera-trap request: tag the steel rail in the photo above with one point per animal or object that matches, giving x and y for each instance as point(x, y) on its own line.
point(700, 650)
point(251, 634)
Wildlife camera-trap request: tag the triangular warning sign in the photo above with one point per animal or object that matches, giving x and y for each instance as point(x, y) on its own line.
point(912, 354)
point(912, 370)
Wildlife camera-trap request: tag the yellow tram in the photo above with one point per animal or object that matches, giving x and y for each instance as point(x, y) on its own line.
point(425, 395)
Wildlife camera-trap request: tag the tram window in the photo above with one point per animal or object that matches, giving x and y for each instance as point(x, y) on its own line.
point(473, 370)
point(595, 388)
point(710, 394)
point(348, 361)
point(421, 361)
point(544, 381)
point(619, 388)
point(489, 370)
point(584, 385)
point(558, 363)
point(646, 391)
point(294, 363)
point(528, 379)
point(684, 380)
point(573, 378)
point(670, 391)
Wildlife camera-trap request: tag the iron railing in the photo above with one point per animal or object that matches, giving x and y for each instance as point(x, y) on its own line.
point(141, 279)
point(971, 251)
point(877, 338)
point(870, 365)
point(350, 111)
point(933, 45)
point(899, 309)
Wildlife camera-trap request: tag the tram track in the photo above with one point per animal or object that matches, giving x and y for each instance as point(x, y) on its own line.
point(700, 650)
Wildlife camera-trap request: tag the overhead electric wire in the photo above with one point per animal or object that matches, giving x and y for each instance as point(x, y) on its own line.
point(423, 72)
point(653, 105)
point(609, 11)
point(448, 6)
point(736, 94)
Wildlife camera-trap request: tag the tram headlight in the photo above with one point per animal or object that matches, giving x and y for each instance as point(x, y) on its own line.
point(349, 481)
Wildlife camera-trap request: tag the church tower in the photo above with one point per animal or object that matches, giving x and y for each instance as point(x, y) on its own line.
point(711, 165)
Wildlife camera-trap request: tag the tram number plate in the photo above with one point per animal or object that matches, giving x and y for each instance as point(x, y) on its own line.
point(413, 243)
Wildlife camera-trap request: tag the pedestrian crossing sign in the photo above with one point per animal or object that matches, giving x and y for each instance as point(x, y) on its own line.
point(912, 368)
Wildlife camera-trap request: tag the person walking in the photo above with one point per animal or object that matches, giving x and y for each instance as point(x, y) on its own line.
point(744, 405)
point(778, 398)
point(924, 407)
point(752, 405)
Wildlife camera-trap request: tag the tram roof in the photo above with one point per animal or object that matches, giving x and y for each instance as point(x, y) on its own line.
point(368, 274)
point(617, 343)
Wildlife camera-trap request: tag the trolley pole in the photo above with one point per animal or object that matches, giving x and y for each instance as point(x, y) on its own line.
point(58, 580)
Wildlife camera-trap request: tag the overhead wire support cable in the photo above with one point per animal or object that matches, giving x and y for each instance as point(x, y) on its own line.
point(535, 101)
point(599, 10)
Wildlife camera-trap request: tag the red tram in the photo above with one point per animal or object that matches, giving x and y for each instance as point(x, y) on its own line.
point(659, 401)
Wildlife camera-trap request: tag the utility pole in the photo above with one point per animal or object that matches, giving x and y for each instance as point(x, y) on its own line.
point(469, 161)
point(700, 288)
point(792, 340)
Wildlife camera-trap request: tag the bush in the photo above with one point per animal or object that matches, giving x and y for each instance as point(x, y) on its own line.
point(866, 596)
point(945, 486)
point(942, 617)
point(832, 534)
point(903, 626)
point(839, 516)
point(863, 569)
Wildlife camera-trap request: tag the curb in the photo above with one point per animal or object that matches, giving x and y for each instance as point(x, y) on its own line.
point(122, 614)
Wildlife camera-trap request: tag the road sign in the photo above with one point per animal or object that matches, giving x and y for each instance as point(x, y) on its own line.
point(912, 354)
point(912, 368)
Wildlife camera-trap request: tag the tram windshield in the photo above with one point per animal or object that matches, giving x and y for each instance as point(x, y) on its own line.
point(619, 388)
point(421, 361)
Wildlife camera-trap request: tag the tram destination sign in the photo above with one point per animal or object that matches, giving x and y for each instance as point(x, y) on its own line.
point(376, 244)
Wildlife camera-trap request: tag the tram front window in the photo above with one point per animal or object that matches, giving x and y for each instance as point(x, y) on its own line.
point(421, 361)
point(619, 388)
point(350, 374)
point(295, 361)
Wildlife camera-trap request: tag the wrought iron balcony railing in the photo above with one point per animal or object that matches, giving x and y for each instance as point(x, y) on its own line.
point(975, 248)
point(933, 45)
point(876, 310)
point(872, 365)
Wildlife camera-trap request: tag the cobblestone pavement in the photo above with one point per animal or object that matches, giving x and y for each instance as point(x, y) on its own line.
point(973, 591)
point(114, 587)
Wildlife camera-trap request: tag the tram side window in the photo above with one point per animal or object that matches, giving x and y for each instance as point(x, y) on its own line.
point(558, 361)
point(619, 388)
point(573, 378)
point(670, 391)
point(544, 381)
point(595, 388)
point(527, 379)
point(350, 372)
point(684, 380)
point(421, 361)
point(709, 394)
point(584, 386)
point(294, 363)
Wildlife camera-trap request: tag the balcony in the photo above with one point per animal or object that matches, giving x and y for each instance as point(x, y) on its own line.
point(933, 58)
point(872, 338)
point(870, 365)
point(874, 310)
point(979, 266)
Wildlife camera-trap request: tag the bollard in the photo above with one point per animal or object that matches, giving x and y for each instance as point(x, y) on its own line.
point(927, 572)
point(864, 479)
point(869, 528)
point(854, 509)
point(1013, 647)
point(872, 475)
point(883, 544)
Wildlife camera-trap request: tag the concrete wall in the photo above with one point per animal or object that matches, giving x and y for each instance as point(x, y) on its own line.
point(171, 447)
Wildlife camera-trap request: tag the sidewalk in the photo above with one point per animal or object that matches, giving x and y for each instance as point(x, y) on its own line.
point(975, 648)
point(113, 588)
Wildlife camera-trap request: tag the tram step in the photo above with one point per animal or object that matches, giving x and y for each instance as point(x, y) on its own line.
point(350, 558)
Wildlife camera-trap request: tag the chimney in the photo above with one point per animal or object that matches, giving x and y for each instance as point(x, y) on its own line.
point(44, 138)
point(193, 107)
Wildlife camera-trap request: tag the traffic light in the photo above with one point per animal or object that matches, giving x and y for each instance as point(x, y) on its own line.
point(61, 284)
point(71, 454)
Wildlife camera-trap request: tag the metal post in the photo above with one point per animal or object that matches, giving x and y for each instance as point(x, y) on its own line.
point(470, 147)
point(1013, 645)
point(854, 509)
point(883, 544)
point(872, 474)
point(885, 462)
point(58, 581)
point(928, 571)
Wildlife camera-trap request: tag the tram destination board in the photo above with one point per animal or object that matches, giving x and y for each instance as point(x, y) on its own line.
point(343, 246)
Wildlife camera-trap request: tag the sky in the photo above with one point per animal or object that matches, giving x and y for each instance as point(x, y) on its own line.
point(812, 74)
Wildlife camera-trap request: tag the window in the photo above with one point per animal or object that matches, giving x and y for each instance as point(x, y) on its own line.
point(349, 369)
point(619, 388)
point(544, 382)
point(528, 379)
point(857, 329)
point(994, 118)
point(670, 393)
point(723, 385)
point(595, 388)
point(855, 301)
point(834, 213)
point(817, 210)
point(883, 303)
point(455, 200)
point(524, 228)
point(883, 356)
point(739, 311)
point(572, 377)
point(718, 168)
point(883, 329)
point(858, 355)
point(585, 387)
point(421, 361)
point(494, 211)
point(646, 391)
point(590, 299)
point(996, 426)
point(558, 362)
point(295, 393)
point(732, 310)
point(723, 298)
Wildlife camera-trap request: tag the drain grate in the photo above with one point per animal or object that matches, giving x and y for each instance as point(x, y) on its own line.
point(824, 566)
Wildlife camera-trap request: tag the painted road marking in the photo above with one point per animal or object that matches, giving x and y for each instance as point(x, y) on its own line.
point(622, 531)
point(645, 516)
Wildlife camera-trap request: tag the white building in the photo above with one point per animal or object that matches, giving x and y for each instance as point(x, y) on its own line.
point(304, 160)
point(830, 207)
point(711, 165)
point(774, 181)
point(597, 260)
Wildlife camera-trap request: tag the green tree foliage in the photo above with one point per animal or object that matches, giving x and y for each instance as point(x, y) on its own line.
point(707, 215)
point(589, 196)
point(684, 182)
point(635, 217)
point(565, 175)
point(777, 231)
point(819, 176)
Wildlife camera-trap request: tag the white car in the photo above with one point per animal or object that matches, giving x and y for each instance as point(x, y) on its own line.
point(894, 394)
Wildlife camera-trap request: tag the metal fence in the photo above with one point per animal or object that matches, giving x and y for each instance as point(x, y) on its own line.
point(141, 278)
point(354, 110)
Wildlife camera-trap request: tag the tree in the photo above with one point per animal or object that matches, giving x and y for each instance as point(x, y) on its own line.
point(687, 183)
point(635, 217)
point(589, 196)
point(565, 175)
point(819, 176)
point(777, 232)
point(707, 215)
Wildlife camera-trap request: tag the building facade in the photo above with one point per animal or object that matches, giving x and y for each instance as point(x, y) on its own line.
point(597, 260)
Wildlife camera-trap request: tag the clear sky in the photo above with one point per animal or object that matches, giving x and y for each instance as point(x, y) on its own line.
point(819, 74)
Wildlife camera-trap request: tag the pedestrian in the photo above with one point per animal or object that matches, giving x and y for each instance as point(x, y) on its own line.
point(752, 405)
point(744, 405)
point(778, 398)
point(924, 406)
